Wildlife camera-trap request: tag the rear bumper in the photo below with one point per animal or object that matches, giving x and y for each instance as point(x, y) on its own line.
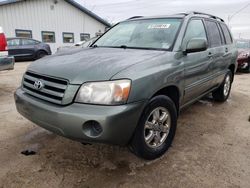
point(6, 63)
point(117, 122)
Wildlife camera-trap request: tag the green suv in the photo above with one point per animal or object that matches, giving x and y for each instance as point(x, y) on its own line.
point(130, 85)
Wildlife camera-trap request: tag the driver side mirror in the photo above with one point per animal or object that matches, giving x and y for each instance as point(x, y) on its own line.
point(196, 45)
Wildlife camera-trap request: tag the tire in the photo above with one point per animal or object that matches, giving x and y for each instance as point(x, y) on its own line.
point(41, 54)
point(156, 147)
point(222, 93)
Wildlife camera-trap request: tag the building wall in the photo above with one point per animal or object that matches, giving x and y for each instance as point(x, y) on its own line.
point(45, 15)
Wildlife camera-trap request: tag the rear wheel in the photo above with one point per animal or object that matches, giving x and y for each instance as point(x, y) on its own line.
point(223, 92)
point(41, 54)
point(156, 128)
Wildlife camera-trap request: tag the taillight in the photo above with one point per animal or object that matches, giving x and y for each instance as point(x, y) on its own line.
point(3, 43)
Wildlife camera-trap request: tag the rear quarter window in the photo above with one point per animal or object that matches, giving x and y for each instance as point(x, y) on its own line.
point(227, 35)
point(213, 33)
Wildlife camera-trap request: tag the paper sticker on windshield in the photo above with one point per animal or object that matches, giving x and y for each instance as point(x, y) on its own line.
point(159, 26)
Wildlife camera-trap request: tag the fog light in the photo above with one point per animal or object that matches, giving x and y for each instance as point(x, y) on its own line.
point(92, 128)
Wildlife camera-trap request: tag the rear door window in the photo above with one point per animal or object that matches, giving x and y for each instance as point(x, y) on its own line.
point(13, 42)
point(227, 34)
point(29, 42)
point(213, 33)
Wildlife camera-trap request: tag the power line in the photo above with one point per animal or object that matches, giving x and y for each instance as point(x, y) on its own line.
point(238, 11)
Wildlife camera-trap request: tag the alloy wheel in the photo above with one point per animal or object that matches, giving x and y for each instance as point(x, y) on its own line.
point(157, 127)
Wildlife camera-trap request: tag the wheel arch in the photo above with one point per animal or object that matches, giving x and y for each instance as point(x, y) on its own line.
point(232, 69)
point(41, 50)
point(173, 92)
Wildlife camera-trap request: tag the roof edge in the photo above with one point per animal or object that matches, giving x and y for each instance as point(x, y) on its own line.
point(88, 12)
point(6, 2)
point(74, 4)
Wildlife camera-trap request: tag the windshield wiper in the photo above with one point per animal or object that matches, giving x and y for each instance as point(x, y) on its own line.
point(123, 46)
point(95, 46)
point(133, 47)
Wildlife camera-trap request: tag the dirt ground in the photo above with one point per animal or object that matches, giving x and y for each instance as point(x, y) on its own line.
point(211, 149)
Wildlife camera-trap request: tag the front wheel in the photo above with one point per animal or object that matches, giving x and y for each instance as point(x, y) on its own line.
point(222, 93)
point(156, 128)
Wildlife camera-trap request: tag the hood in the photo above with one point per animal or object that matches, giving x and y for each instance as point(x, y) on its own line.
point(242, 50)
point(243, 53)
point(90, 64)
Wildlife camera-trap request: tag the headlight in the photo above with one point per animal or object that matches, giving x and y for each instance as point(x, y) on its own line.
point(108, 92)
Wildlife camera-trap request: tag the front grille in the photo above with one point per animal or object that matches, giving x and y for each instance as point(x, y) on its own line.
point(53, 89)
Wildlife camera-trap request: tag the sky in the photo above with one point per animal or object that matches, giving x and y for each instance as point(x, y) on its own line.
point(118, 10)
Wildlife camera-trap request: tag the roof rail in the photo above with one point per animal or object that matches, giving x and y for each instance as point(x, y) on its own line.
point(134, 17)
point(183, 13)
point(209, 15)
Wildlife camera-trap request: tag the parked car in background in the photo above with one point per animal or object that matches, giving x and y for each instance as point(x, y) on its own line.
point(243, 60)
point(6, 62)
point(128, 88)
point(81, 44)
point(27, 49)
point(87, 43)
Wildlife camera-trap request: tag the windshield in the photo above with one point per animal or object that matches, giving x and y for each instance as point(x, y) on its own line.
point(150, 33)
point(243, 44)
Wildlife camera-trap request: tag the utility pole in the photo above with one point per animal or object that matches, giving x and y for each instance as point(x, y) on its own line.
point(229, 18)
point(239, 35)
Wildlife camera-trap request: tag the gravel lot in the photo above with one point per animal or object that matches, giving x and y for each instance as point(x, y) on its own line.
point(211, 149)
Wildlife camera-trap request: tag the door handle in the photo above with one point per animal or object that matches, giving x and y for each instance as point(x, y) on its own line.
point(226, 50)
point(210, 54)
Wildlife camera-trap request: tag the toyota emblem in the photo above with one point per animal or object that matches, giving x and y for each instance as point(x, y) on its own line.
point(38, 84)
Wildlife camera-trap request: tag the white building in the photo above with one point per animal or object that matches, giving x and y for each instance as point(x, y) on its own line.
point(56, 22)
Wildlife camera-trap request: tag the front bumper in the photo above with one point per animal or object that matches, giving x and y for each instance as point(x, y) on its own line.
point(117, 122)
point(6, 63)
